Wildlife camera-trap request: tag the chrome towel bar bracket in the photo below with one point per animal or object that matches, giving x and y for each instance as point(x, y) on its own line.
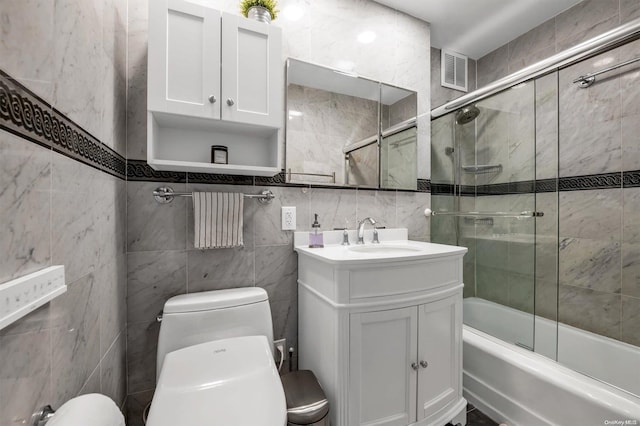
point(165, 195)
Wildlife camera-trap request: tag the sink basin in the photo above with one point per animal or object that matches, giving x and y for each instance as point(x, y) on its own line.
point(394, 247)
point(384, 248)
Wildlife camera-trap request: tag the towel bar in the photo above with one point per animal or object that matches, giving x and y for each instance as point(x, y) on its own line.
point(165, 194)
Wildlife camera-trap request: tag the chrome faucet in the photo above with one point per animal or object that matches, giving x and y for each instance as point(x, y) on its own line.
point(361, 228)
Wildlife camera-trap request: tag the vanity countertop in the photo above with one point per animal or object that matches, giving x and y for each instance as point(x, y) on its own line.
point(394, 246)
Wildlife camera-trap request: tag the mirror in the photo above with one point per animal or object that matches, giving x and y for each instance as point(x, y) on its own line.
point(345, 130)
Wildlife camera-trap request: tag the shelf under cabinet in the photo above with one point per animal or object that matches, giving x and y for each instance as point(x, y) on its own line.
point(228, 169)
point(183, 144)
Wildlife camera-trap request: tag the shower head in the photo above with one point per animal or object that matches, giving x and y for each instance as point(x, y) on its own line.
point(467, 114)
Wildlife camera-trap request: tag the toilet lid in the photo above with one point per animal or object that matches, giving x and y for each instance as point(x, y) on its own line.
point(229, 382)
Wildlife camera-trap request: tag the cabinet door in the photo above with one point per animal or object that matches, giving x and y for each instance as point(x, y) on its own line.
point(382, 382)
point(439, 346)
point(252, 72)
point(184, 59)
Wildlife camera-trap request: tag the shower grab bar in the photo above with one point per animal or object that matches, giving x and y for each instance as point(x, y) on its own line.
point(429, 212)
point(587, 80)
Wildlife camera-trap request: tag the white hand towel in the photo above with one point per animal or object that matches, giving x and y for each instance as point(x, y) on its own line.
point(217, 219)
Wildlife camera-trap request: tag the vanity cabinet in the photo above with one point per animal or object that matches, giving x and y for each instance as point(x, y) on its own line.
point(384, 335)
point(412, 352)
point(213, 79)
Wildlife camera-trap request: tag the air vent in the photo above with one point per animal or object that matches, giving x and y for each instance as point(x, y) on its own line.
point(454, 70)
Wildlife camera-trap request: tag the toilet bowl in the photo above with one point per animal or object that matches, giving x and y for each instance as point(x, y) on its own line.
point(90, 409)
point(215, 362)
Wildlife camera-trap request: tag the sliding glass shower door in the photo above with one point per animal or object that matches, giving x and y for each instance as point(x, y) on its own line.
point(483, 198)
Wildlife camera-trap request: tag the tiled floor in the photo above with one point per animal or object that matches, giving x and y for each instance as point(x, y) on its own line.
point(476, 417)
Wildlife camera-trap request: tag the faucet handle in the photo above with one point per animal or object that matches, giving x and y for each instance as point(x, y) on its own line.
point(375, 236)
point(345, 235)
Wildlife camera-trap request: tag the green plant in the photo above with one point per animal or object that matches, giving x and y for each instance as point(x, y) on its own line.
point(270, 5)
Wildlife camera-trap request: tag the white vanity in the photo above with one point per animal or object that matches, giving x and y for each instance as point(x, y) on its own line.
point(381, 327)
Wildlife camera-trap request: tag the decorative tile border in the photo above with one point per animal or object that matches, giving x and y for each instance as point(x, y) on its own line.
point(631, 179)
point(139, 170)
point(220, 179)
point(599, 181)
point(424, 185)
point(546, 185)
point(628, 179)
point(28, 116)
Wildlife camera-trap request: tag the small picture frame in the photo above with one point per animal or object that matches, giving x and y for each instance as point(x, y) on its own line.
point(219, 154)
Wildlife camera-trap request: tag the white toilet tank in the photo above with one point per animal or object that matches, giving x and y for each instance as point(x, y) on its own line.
point(195, 318)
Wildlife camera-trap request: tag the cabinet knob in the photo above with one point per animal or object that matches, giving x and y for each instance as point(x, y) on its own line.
point(230, 102)
point(414, 366)
point(424, 364)
point(212, 99)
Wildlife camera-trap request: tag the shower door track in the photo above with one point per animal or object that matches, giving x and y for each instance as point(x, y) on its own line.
point(613, 38)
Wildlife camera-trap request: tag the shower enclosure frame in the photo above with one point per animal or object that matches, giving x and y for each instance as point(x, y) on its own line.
point(607, 41)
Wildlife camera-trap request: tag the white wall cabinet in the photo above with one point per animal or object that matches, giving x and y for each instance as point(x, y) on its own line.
point(384, 337)
point(213, 79)
point(252, 72)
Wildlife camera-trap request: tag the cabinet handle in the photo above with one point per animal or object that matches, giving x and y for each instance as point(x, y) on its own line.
point(414, 366)
point(424, 364)
point(212, 99)
point(230, 102)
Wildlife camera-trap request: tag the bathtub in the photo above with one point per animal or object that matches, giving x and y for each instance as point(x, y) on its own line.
point(518, 387)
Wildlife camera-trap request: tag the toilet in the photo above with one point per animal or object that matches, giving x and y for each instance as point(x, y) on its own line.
point(215, 362)
point(215, 366)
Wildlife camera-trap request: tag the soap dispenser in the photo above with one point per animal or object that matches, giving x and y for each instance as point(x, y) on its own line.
point(315, 238)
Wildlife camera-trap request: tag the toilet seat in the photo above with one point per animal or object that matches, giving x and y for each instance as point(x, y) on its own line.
point(230, 382)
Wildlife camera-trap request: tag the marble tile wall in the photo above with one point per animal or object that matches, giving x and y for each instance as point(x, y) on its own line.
point(56, 210)
point(597, 133)
point(160, 254)
point(162, 261)
point(583, 21)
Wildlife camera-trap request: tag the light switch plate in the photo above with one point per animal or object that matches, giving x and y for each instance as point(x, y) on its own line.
point(288, 218)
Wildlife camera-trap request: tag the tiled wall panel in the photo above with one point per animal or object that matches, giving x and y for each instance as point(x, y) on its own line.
point(55, 210)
